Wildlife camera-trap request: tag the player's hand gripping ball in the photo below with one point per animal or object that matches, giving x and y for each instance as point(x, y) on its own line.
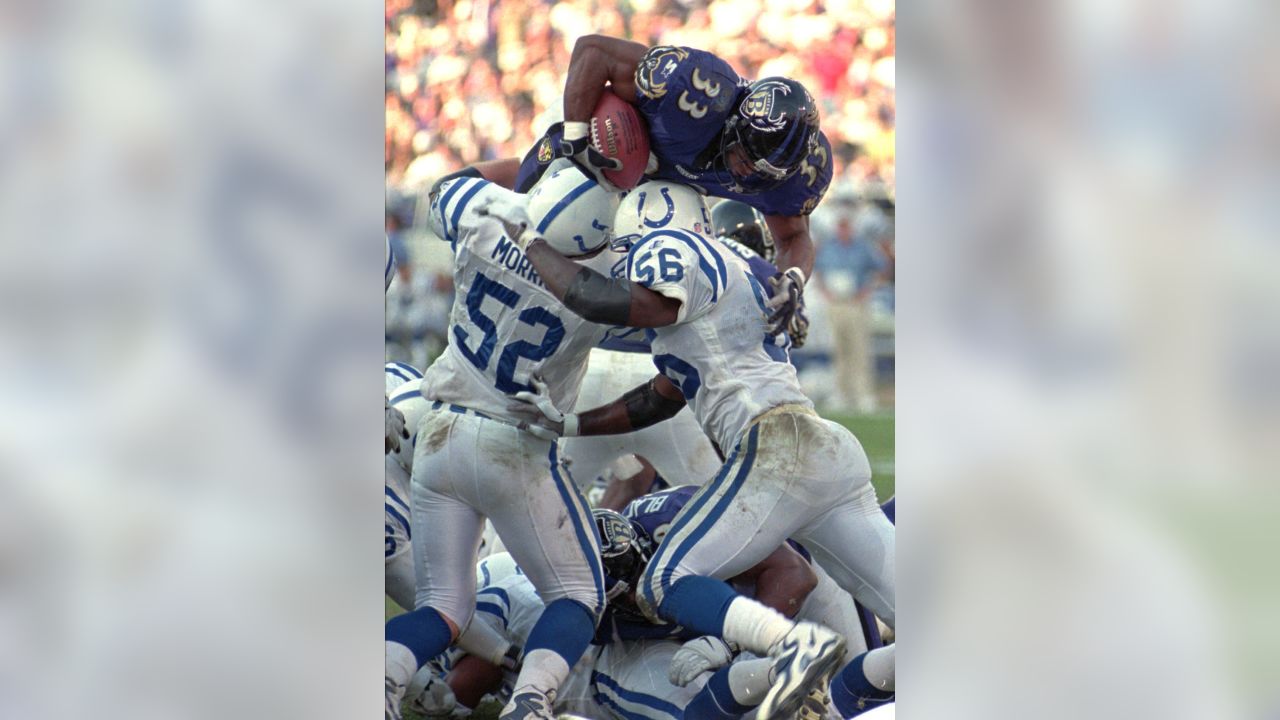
point(787, 306)
point(613, 147)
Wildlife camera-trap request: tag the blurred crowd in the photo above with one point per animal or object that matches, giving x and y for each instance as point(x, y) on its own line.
point(468, 79)
point(471, 80)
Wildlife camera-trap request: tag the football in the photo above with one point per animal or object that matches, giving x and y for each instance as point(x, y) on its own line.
point(618, 131)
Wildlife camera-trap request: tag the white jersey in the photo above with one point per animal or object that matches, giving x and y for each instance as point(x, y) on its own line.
point(505, 325)
point(718, 352)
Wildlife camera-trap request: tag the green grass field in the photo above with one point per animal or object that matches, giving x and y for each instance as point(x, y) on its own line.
point(875, 432)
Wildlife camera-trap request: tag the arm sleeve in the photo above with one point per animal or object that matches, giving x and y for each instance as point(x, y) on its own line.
point(675, 266)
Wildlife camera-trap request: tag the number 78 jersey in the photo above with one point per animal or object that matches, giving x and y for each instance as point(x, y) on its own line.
point(718, 352)
point(505, 325)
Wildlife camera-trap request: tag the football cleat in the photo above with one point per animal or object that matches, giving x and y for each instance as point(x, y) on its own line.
point(815, 704)
point(805, 659)
point(529, 705)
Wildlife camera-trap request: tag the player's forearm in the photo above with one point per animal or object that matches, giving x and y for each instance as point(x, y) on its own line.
point(596, 60)
point(622, 491)
point(649, 404)
point(594, 297)
point(796, 250)
point(556, 271)
point(503, 172)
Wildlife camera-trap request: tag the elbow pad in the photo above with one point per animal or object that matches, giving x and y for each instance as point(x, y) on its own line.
point(599, 299)
point(646, 406)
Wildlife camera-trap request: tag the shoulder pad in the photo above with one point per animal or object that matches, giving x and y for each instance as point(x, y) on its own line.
point(656, 67)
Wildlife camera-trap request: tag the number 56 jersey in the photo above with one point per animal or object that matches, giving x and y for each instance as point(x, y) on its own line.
point(505, 326)
point(718, 352)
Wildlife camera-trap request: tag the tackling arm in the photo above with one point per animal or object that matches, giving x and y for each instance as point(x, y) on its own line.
point(596, 298)
point(598, 59)
point(651, 403)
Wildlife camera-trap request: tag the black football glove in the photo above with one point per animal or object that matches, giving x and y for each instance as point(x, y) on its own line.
point(576, 145)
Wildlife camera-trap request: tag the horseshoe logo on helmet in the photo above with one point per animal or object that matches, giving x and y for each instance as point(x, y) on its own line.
point(671, 210)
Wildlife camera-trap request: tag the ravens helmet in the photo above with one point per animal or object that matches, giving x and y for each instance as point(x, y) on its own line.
point(625, 550)
point(743, 224)
point(772, 130)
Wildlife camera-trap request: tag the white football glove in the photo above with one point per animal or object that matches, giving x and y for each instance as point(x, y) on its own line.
point(696, 657)
point(436, 699)
point(554, 424)
point(514, 218)
point(394, 426)
point(787, 305)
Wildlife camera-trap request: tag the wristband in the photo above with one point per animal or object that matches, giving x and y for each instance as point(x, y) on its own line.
point(570, 425)
point(575, 130)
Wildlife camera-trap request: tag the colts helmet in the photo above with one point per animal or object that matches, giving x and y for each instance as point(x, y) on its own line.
point(772, 131)
point(572, 212)
point(659, 205)
point(625, 551)
point(743, 224)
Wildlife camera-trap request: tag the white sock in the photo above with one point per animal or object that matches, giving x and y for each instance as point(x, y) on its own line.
point(749, 680)
point(753, 626)
point(543, 670)
point(401, 664)
point(880, 667)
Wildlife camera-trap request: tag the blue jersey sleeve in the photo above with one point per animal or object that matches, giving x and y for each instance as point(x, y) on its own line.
point(536, 161)
point(655, 511)
point(685, 95)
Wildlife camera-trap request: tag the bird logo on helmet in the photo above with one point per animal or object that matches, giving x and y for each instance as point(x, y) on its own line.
point(773, 129)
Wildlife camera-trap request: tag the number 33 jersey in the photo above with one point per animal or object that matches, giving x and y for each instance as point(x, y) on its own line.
point(505, 325)
point(718, 352)
point(685, 96)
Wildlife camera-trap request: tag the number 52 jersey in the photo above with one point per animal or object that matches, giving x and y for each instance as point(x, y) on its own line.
point(505, 325)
